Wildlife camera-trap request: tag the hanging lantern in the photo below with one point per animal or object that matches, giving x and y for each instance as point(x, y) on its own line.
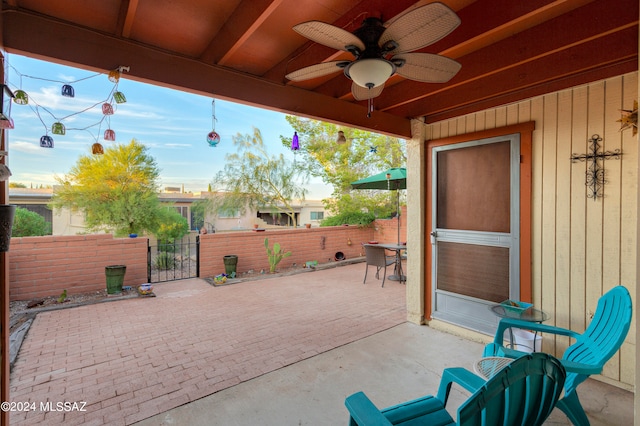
point(20, 97)
point(46, 142)
point(58, 128)
point(6, 123)
point(213, 138)
point(295, 145)
point(67, 90)
point(109, 135)
point(114, 76)
point(97, 149)
point(119, 97)
point(107, 109)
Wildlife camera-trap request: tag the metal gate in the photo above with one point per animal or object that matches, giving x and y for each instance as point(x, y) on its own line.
point(173, 260)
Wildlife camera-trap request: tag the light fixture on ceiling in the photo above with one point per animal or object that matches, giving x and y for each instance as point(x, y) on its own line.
point(370, 73)
point(341, 139)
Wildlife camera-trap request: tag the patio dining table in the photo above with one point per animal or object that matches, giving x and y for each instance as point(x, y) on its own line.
point(398, 274)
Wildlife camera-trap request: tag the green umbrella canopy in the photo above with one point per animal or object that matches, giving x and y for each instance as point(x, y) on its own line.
point(397, 180)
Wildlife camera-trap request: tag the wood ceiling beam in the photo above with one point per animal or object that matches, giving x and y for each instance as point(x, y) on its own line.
point(126, 17)
point(522, 48)
point(486, 22)
point(67, 44)
point(560, 66)
point(602, 73)
point(244, 21)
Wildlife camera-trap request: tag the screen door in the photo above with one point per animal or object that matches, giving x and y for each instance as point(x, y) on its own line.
point(475, 229)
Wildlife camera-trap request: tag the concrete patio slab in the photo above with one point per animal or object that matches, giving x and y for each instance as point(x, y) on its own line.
point(278, 351)
point(392, 366)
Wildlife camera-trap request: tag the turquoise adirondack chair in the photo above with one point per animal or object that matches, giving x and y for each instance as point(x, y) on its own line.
point(523, 393)
point(591, 350)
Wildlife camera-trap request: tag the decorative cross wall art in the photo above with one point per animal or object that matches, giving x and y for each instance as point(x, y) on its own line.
point(595, 170)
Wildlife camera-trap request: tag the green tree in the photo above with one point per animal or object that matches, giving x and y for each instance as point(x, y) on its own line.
point(29, 224)
point(252, 178)
point(338, 165)
point(17, 185)
point(171, 225)
point(116, 191)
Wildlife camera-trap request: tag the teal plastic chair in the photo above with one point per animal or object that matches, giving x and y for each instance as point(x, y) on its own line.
point(591, 350)
point(523, 393)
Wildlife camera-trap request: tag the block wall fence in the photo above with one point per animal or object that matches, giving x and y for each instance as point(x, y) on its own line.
point(46, 266)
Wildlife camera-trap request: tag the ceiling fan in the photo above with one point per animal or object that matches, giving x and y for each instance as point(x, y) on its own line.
point(381, 52)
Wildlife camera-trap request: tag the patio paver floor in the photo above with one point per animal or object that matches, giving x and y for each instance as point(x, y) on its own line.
point(132, 359)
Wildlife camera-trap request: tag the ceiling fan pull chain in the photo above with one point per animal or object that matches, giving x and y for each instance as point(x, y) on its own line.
point(369, 106)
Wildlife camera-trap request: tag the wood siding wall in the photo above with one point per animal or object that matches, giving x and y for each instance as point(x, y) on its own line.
point(581, 247)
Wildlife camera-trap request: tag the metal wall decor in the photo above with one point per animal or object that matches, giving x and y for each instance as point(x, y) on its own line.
point(595, 170)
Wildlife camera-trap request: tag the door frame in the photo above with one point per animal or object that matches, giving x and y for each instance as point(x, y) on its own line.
point(525, 130)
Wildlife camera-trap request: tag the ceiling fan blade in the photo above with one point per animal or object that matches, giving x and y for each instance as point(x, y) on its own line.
point(328, 35)
point(314, 71)
point(426, 67)
point(420, 27)
point(363, 93)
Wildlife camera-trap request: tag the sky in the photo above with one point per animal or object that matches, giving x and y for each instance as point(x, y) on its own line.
point(173, 125)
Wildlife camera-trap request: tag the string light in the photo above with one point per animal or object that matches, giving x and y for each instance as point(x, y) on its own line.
point(108, 106)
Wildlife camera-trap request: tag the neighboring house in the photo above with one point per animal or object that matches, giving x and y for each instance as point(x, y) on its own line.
point(64, 222)
point(305, 211)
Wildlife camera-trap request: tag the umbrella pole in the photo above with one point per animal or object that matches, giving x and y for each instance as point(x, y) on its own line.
point(398, 212)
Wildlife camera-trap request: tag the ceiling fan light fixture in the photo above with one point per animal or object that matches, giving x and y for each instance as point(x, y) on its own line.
point(371, 72)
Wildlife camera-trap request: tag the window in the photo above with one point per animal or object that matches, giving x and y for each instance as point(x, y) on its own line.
point(182, 211)
point(228, 213)
point(317, 215)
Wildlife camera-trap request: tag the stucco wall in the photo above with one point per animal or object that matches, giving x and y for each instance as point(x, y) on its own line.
point(45, 266)
point(319, 244)
point(581, 247)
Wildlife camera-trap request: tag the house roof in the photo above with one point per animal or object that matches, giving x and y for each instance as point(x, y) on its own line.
point(241, 50)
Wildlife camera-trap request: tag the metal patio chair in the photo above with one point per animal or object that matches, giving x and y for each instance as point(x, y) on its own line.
point(376, 256)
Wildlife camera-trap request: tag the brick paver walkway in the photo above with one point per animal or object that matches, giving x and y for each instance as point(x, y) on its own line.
point(132, 359)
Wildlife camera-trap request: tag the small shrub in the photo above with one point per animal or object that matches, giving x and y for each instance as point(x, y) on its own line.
point(349, 218)
point(165, 261)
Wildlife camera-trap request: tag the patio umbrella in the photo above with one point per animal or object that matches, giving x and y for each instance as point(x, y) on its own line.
point(391, 180)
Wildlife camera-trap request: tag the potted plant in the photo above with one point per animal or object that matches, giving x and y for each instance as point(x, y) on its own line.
point(275, 255)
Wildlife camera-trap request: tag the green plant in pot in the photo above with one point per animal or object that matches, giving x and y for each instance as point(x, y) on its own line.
point(275, 255)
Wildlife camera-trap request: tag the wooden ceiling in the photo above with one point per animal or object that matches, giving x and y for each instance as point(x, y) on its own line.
point(241, 50)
